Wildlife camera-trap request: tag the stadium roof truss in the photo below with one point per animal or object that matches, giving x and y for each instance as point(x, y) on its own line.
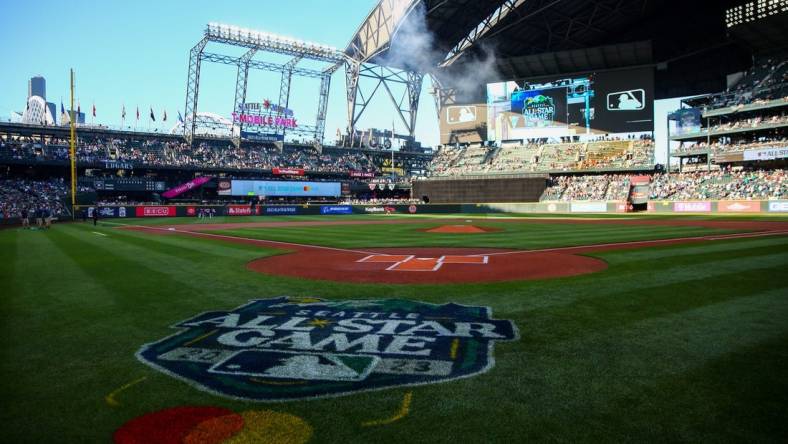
point(370, 45)
point(257, 42)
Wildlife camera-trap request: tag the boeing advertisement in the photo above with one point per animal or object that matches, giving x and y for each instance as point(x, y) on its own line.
point(597, 103)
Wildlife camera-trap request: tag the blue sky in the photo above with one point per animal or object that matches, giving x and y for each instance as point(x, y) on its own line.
point(137, 53)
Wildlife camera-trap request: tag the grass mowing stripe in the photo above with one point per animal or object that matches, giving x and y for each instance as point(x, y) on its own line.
point(692, 257)
point(516, 299)
point(757, 370)
point(189, 247)
point(667, 251)
point(616, 309)
point(140, 286)
point(192, 275)
point(516, 237)
point(590, 372)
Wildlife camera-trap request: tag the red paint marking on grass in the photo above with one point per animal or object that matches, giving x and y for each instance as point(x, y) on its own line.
point(169, 426)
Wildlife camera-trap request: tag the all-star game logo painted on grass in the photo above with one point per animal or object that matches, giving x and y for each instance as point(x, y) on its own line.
point(286, 348)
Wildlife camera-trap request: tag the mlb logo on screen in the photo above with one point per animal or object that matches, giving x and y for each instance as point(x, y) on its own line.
point(629, 100)
point(460, 114)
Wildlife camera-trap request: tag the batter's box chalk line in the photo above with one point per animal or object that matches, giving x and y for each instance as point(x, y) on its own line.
point(404, 262)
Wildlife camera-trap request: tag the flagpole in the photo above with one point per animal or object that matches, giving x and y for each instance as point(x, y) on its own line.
point(73, 152)
point(392, 149)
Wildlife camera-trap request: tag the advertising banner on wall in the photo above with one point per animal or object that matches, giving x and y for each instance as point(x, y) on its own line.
point(362, 174)
point(284, 188)
point(242, 210)
point(281, 210)
point(692, 207)
point(157, 211)
point(109, 212)
point(182, 188)
point(588, 207)
point(766, 153)
point(336, 209)
point(288, 171)
point(778, 206)
point(738, 206)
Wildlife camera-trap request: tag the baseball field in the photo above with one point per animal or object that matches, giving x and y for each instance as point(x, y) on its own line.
point(294, 329)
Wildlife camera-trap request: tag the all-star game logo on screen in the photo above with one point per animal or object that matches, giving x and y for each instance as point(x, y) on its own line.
point(287, 348)
point(538, 110)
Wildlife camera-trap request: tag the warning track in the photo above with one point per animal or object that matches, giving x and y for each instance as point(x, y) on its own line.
point(415, 265)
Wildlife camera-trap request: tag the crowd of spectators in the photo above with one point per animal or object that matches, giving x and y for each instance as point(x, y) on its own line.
point(723, 146)
point(162, 153)
point(767, 80)
point(381, 201)
point(721, 184)
point(727, 184)
point(604, 187)
point(605, 153)
point(31, 197)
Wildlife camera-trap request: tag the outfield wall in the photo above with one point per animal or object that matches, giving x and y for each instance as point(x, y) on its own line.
point(719, 206)
point(576, 207)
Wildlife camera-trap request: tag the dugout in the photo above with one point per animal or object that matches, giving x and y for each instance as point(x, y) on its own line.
point(481, 188)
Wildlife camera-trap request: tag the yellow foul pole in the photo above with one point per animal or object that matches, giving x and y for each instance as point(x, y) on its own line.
point(73, 151)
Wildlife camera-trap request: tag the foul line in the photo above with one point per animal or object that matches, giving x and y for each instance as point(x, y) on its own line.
point(222, 236)
point(403, 412)
point(110, 399)
point(97, 233)
point(645, 243)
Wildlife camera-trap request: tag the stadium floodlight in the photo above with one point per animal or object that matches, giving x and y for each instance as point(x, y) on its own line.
point(259, 42)
point(266, 40)
point(754, 10)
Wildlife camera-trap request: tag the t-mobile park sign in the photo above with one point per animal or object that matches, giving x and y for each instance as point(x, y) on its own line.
point(260, 114)
point(270, 121)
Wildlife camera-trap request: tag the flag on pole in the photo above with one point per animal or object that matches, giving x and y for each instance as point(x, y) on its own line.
point(152, 117)
point(138, 113)
point(123, 112)
point(164, 119)
point(94, 110)
point(79, 109)
point(180, 118)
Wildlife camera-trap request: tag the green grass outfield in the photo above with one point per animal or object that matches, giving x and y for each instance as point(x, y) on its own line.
point(671, 343)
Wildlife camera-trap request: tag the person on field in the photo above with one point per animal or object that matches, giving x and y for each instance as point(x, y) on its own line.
point(47, 217)
point(39, 217)
point(95, 216)
point(25, 218)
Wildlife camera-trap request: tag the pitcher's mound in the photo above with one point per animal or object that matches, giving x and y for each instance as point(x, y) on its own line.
point(460, 229)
